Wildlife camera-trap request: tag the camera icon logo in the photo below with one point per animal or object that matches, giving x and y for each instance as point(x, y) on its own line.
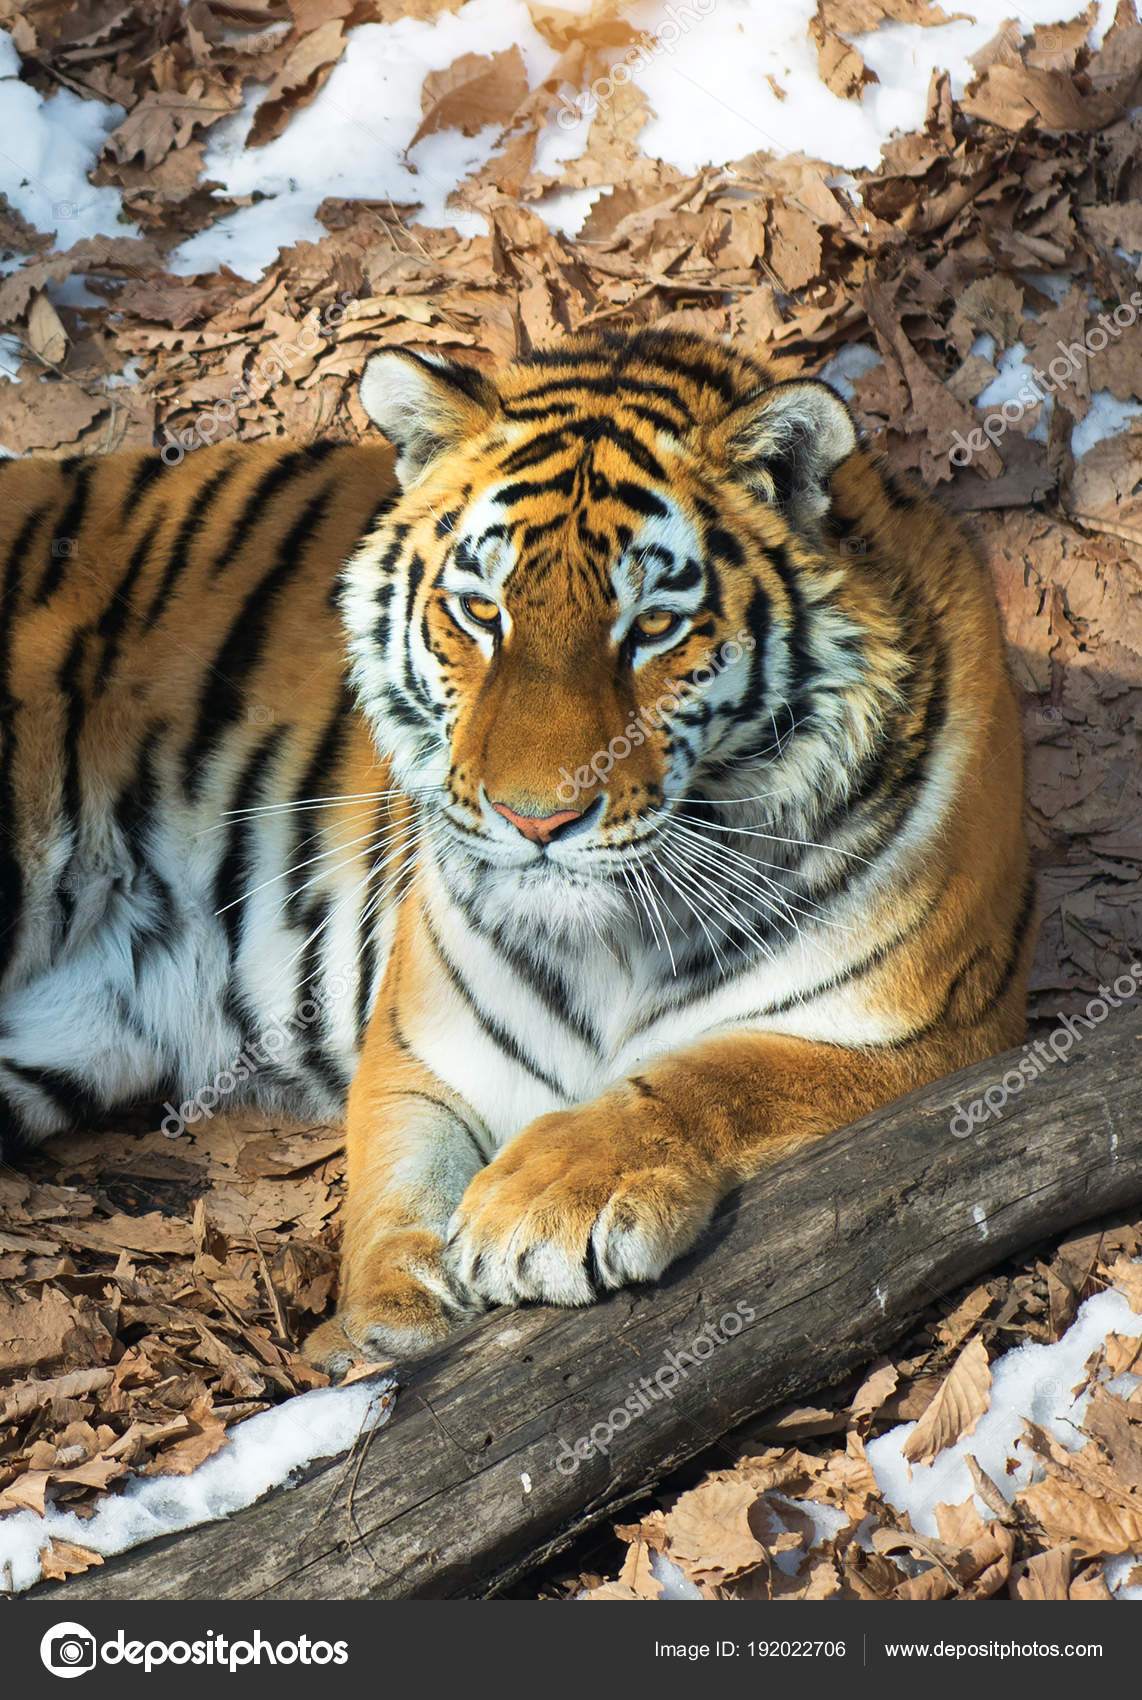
point(68, 1649)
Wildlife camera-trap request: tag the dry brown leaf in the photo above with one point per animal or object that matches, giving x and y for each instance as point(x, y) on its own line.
point(305, 70)
point(151, 1233)
point(961, 1401)
point(1123, 1354)
point(186, 1454)
point(959, 1525)
point(1045, 1576)
point(958, 1325)
point(27, 1492)
point(20, 1400)
point(988, 1490)
point(710, 1534)
point(876, 1388)
point(1090, 1585)
point(612, 1591)
point(280, 1154)
point(167, 119)
point(61, 1559)
point(51, 1329)
point(1125, 1272)
point(476, 90)
point(1067, 1511)
point(43, 414)
point(46, 334)
point(636, 1573)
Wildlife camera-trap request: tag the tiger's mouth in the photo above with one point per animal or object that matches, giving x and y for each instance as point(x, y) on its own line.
point(579, 851)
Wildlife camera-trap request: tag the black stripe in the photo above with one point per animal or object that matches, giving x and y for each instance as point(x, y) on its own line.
point(136, 808)
point(640, 500)
point(314, 783)
point(1018, 939)
point(224, 697)
point(71, 1101)
point(542, 979)
point(500, 1037)
point(70, 686)
point(856, 970)
point(234, 867)
point(410, 680)
point(114, 618)
point(1021, 924)
point(453, 1116)
point(194, 520)
point(315, 1055)
point(803, 667)
point(65, 538)
point(150, 467)
point(589, 430)
point(11, 871)
point(290, 466)
point(572, 411)
point(559, 484)
point(369, 921)
point(137, 803)
point(629, 349)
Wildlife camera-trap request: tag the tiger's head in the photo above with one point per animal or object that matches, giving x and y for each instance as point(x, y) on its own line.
point(604, 589)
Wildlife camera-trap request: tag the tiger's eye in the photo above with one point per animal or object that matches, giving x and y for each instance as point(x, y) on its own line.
point(481, 609)
point(655, 623)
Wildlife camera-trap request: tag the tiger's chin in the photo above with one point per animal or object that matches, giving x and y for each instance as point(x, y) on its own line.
point(549, 899)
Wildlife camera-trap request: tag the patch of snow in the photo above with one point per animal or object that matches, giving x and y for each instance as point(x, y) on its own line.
point(264, 1452)
point(351, 141)
point(852, 362)
point(1117, 1570)
point(707, 82)
point(47, 149)
point(674, 1584)
point(11, 354)
point(705, 75)
point(1108, 417)
point(1030, 1381)
point(1012, 372)
point(1055, 287)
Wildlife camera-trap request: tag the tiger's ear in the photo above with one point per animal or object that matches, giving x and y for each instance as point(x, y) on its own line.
point(787, 442)
point(424, 405)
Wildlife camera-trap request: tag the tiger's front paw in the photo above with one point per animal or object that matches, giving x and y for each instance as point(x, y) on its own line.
point(398, 1301)
point(560, 1215)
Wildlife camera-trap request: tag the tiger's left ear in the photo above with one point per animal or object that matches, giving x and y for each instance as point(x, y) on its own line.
point(425, 406)
point(787, 442)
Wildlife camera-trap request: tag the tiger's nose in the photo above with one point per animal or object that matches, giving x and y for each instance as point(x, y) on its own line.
point(541, 829)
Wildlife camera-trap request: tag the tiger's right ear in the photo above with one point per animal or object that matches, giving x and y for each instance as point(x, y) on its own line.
point(424, 405)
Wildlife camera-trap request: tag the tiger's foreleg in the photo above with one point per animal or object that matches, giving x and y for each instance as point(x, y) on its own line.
point(413, 1148)
point(613, 1191)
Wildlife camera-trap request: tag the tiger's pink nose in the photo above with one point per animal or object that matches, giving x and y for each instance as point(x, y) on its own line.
point(541, 829)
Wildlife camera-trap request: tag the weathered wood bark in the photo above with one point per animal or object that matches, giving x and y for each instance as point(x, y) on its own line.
point(834, 1251)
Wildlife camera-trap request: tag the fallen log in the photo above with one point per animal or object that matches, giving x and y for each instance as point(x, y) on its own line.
point(823, 1261)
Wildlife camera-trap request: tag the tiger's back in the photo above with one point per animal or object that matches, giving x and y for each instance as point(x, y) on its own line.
point(170, 655)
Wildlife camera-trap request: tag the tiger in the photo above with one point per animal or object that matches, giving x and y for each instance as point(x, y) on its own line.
point(596, 785)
